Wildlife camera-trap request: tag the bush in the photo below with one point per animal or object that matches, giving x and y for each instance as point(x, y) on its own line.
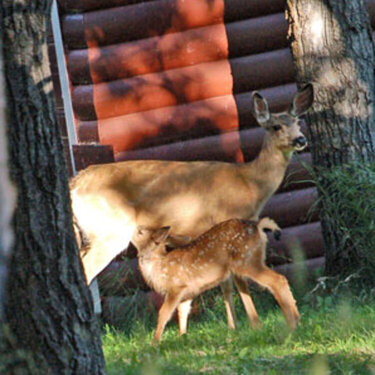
point(347, 203)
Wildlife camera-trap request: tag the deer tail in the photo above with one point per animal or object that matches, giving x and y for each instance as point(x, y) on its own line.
point(267, 223)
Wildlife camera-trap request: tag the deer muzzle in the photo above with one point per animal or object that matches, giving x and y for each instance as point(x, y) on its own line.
point(300, 143)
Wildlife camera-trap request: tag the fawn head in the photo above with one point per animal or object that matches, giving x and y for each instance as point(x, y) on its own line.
point(284, 127)
point(148, 239)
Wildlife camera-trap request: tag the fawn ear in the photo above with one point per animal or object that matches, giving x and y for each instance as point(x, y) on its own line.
point(260, 108)
point(141, 228)
point(160, 235)
point(177, 240)
point(302, 100)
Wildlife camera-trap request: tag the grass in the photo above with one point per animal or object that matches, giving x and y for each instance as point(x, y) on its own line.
point(336, 336)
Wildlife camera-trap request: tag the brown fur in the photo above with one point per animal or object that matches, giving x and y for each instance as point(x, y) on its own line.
point(234, 246)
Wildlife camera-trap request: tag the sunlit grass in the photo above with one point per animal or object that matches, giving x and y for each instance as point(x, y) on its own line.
point(335, 337)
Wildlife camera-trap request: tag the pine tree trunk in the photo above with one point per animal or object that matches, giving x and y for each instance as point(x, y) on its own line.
point(48, 308)
point(331, 42)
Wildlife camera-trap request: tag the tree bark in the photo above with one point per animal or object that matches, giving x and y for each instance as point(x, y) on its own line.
point(49, 308)
point(332, 46)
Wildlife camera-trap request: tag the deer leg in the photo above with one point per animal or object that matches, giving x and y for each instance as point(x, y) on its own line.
point(183, 313)
point(247, 301)
point(170, 303)
point(97, 257)
point(92, 260)
point(227, 289)
point(278, 286)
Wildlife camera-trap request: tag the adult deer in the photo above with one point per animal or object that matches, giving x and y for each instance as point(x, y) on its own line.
point(109, 201)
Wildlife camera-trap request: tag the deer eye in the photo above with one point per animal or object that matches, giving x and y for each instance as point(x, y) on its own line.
point(276, 127)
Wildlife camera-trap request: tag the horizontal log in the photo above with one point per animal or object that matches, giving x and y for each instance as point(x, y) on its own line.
point(150, 55)
point(165, 125)
point(120, 277)
point(225, 147)
point(87, 131)
point(182, 85)
point(241, 9)
point(152, 91)
point(304, 241)
point(177, 50)
point(121, 24)
point(187, 121)
point(262, 70)
point(256, 35)
point(74, 6)
point(234, 9)
point(105, 27)
point(231, 146)
point(293, 207)
point(85, 155)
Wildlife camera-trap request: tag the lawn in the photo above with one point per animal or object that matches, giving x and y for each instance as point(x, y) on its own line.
point(336, 336)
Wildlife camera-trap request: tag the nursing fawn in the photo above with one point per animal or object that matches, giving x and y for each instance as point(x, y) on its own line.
point(234, 247)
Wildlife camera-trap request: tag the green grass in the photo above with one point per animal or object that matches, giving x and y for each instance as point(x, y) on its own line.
point(336, 336)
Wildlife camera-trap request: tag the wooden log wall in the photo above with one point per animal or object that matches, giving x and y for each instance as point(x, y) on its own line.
point(172, 79)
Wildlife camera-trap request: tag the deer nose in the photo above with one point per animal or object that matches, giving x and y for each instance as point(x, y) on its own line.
point(300, 142)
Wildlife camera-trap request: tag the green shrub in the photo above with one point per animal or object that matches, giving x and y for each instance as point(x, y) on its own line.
point(347, 203)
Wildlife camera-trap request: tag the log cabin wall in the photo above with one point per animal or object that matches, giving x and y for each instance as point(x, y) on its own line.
point(172, 79)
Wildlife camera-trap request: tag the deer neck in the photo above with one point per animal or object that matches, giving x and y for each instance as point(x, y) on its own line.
point(267, 171)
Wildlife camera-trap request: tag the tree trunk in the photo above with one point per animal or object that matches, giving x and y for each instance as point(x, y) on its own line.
point(48, 307)
point(331, 42)
point(7, 196)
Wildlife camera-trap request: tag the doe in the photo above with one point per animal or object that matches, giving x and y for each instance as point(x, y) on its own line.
point(234, 247)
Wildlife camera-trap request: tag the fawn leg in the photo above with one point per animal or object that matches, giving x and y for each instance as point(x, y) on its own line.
point(227, 289)
point(279, 287)
point(165, 313)
point(247, 301)
point(183, 313)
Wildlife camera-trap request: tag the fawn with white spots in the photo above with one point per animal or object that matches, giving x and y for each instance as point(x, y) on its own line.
point(232, 247)
point(110, 201)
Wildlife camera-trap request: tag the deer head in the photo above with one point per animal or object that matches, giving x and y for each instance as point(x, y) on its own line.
point(147, 240)
point(284, 128)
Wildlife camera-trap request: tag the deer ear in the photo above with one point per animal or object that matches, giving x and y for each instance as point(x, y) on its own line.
point(302, 101)
point(260, 108)
point(178, 240)
point(161, 234)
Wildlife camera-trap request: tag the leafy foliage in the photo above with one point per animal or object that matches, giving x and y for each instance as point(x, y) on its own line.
point(347, 200)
